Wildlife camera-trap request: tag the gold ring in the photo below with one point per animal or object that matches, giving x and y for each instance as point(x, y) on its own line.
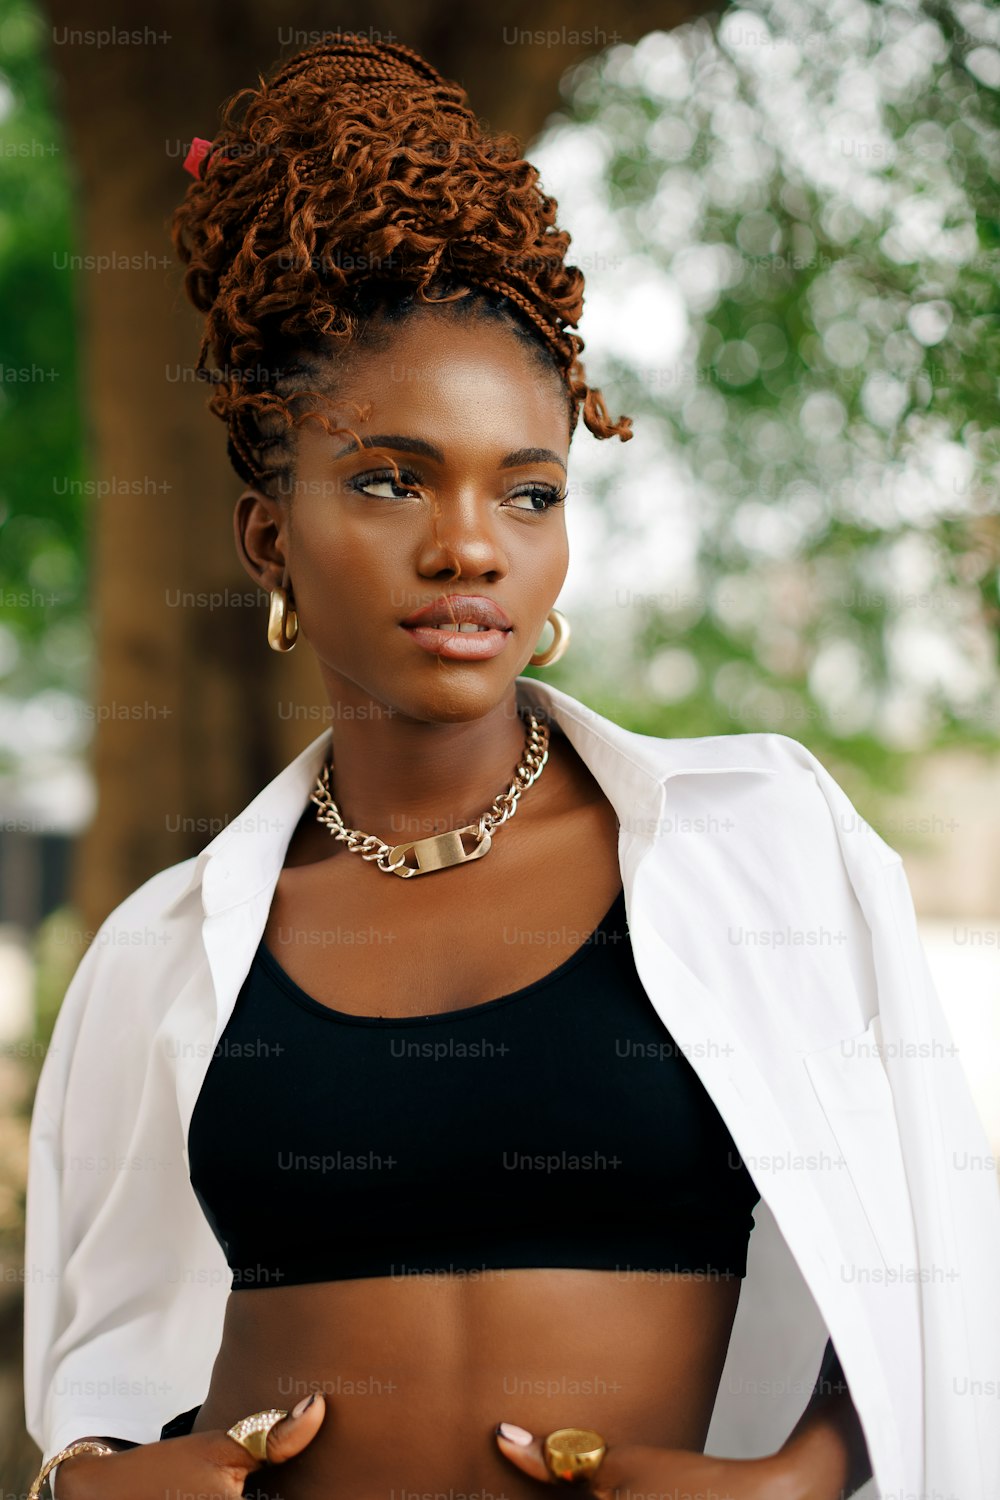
point(251, 1432)
point(573, 1453)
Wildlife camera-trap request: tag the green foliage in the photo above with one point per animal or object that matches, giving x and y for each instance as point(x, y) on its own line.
point(809, 189)
point(814, 187)
point(43, 640)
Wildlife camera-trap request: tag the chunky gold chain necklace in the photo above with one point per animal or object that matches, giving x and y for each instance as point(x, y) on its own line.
point(442, 850)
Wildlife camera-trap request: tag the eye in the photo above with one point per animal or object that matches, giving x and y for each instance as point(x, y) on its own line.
point(548, 493)
point(365, 484)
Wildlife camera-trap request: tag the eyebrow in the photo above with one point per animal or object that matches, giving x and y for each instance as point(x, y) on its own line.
point(404, 444)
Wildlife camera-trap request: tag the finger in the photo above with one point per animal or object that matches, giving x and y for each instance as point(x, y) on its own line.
point(524, 1451)
point(285, 1439)
point(619, 1467)
point(297, 1430)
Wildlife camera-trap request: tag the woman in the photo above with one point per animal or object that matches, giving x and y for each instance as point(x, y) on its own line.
point(434, 1163)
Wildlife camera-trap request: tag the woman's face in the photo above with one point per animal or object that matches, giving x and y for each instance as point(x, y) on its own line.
point(474, 424)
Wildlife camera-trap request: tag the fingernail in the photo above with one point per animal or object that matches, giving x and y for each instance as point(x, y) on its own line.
point(514, 1434)
point(303, 1405)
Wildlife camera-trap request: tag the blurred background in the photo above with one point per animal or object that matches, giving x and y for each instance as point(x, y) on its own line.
point(787, 215)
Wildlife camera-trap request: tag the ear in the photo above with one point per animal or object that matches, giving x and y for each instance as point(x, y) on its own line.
point(259, 532)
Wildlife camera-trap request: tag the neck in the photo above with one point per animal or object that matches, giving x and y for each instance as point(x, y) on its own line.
point(401, 778)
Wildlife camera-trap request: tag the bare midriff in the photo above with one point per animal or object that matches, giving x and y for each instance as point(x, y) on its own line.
point(417, 1369)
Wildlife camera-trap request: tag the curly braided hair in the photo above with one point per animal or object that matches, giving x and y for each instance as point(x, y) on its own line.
point(357, 181)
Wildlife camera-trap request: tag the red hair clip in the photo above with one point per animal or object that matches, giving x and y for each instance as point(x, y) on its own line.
point(199, 150)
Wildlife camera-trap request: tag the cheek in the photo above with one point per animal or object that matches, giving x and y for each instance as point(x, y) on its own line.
point(346, 555)
point(553, 559)
point(342, 593)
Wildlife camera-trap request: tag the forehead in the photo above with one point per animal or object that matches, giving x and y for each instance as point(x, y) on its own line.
point(450, 379)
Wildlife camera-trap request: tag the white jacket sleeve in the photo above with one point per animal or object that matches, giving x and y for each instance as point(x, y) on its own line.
point(125, 1285)
point(950, 1171)
point(953, 1182)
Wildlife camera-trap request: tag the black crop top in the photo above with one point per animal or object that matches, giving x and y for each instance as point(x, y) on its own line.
point(555, 1126)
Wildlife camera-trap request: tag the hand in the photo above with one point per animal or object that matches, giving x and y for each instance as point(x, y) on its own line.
point(208, 1464)
point(630, 1468)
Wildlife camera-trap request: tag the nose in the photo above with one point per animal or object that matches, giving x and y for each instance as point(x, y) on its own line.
point(462, 537)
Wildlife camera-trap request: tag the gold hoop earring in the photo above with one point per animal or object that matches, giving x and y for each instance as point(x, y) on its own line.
point(283, 622)
point(560, 640)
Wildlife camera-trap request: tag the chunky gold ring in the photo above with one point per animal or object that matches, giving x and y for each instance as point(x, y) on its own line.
point(573, 1453)
point(251, 1432)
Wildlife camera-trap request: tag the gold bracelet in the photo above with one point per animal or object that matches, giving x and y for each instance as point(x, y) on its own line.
point(82, 1445)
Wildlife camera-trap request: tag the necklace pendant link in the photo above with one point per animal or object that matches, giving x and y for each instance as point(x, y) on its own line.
point(439, 852)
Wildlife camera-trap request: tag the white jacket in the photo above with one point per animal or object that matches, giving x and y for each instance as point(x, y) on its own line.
point(774, 933)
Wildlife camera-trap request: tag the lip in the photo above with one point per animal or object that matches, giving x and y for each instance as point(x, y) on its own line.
point(460, 609)
point(460, 645)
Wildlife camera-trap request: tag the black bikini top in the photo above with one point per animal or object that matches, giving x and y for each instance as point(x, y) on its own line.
point(555, 1126)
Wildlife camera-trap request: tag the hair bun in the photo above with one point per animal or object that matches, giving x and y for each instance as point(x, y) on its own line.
point(357, 161)
point(365, 64)
point(358, 68)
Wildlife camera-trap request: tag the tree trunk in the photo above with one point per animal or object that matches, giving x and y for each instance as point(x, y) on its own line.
point(193, 710)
